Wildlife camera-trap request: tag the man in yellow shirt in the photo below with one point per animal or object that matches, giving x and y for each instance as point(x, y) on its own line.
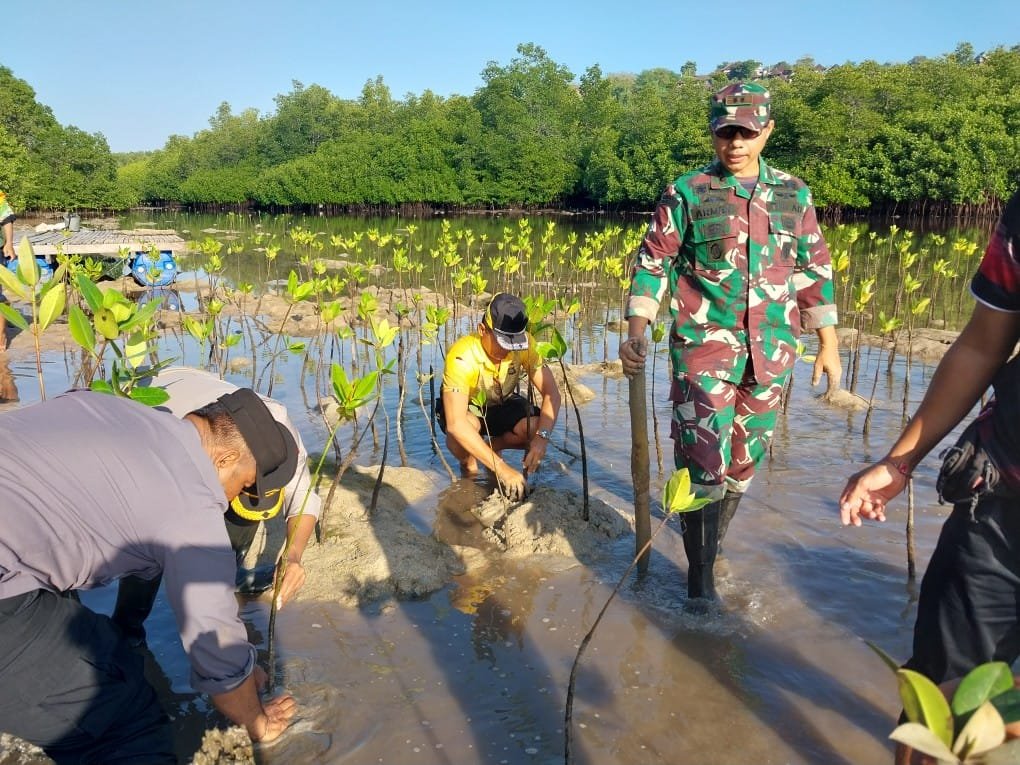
point(480, 398)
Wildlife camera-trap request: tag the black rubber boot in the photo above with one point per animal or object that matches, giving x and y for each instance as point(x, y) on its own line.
point(701, 543)
point(135, 597)
point(727, 509)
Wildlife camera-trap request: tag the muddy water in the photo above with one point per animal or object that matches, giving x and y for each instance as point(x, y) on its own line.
point(478, 672)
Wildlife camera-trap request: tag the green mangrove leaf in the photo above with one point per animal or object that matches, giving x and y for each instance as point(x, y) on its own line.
point(143, 316)
point(658, 332)
point(364, 387)
point(558, 343)
point(28, 268)
point(889, 660)
point(81, 329)
point(231, 340)
point(983, 731)
point(149, 396)
point(50, 307)
point(923, 740)
point(384, 333)
point(57, 278)
point(1008, 704)
point(12, 315)
point(102, 386)
point(341, 385)
point(106, 323)
point(981, 684)
point(197, 329)
point(296, 348)
point(92, 294)
point(118, 304)
point(12, 283)
point(924, 703)
point(677, 496)
point(134, 349)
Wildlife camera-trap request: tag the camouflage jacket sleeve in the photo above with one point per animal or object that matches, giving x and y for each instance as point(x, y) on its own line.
point(656, 255)
point(813, 273)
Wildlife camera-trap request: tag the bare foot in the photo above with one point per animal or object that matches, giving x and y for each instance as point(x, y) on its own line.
point(469, 467)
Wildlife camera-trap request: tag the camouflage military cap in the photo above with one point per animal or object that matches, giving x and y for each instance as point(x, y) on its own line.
point(741, 103)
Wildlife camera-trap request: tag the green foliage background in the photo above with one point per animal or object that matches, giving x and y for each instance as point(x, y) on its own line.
point(868, 135)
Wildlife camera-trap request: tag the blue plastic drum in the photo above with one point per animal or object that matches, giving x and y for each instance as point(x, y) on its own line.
point(156, 271)
point(45, 268)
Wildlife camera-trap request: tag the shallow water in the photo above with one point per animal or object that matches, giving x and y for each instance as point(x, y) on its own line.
point(479, 671)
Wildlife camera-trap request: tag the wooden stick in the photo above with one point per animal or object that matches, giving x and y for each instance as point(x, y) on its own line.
point(639, 469)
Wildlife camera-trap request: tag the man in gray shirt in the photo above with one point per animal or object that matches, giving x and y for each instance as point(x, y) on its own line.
point(189, 390)
point(96, 487)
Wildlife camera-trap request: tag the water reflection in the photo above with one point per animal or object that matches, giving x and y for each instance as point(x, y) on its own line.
point(171, 298)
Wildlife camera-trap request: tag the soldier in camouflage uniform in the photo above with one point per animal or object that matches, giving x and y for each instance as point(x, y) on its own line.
point(737, 246)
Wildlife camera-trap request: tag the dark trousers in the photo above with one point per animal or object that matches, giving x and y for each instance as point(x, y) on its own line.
point(968, 611)
point(73, 686)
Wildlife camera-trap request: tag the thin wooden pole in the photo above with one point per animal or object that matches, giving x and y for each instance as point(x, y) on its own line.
point(639, 469)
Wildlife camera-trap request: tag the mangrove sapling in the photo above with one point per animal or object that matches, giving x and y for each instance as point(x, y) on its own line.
point(916, 310)
point(296, 292)
point(350, 395)
point(863, 294)
point(127, 330)
point(887, 328)
point(422, 379)
point(382, 337)
point(677, 498)
point(968, 729)
point(402, 312)
point(554, 349)
point(47, 301)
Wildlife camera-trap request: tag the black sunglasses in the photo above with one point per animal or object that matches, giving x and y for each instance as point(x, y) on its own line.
point(729, 132)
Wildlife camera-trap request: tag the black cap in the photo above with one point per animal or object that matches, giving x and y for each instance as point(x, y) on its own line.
point(507, 317)
point(272, 445)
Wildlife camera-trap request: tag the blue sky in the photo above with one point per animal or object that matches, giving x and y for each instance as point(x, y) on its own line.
point(139, 72)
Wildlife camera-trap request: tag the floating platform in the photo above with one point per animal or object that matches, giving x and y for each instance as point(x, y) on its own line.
point(148, 254)
point(104, 242)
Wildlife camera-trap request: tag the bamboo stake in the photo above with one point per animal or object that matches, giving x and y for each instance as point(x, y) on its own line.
point(639, 468)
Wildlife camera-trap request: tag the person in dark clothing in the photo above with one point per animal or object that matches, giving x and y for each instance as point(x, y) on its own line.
point(140, 492)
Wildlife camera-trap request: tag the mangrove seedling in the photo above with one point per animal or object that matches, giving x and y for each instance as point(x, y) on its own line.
point(677, 498)
point(969, 729)
point(47, 301)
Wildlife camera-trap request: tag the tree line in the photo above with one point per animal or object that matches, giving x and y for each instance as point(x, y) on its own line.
point(865, 136)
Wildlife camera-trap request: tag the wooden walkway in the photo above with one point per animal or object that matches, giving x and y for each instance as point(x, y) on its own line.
point(104, 242)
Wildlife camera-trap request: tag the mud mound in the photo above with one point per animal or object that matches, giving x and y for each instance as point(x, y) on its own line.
point(371, 556)
point(14, 751)
point(549, 523)
point(225, 747)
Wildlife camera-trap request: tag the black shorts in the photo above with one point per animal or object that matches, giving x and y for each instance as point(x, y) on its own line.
point(499, 418)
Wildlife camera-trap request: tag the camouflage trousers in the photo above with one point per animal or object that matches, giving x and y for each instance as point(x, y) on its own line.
point(721, 430)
